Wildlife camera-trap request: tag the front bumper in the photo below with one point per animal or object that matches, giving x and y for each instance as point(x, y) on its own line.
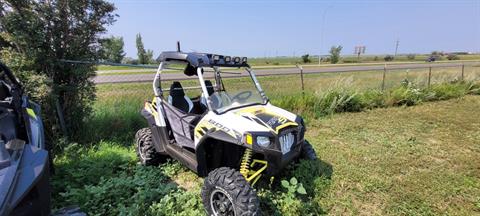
point(273, 155)
point(277, 161)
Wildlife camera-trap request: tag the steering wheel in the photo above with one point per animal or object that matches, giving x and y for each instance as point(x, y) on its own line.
point(242, 96)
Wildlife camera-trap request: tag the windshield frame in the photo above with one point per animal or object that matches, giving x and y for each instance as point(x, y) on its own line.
point(219, 84)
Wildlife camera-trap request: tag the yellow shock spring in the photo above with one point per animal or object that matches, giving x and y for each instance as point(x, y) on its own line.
point(245, 165)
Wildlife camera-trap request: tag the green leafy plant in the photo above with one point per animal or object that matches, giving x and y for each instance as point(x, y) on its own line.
point(293, 187)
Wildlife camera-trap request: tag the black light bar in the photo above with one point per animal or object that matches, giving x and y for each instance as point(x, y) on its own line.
point(227, 61)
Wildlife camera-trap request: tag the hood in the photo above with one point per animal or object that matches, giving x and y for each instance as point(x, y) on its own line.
point(261, 118)
point(269, 117)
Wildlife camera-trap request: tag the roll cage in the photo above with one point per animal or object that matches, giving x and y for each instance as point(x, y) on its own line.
point(195, 64)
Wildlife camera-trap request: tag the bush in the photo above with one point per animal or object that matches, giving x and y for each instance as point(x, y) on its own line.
point(335, 54)
point(337, 100)
point(446, 91)
point(306, 58)
point(191, 204)
point(372, 99)
point(474, 88)
point(404, 96)
point(411, 56)
point(44, 32)
point(453, 57)
point(105, 180)
point(124, 194)
point(79, 166)
point(388, 58)
point(375, 58)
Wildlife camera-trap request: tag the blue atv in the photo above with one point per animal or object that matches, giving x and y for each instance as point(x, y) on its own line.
point(24, 159)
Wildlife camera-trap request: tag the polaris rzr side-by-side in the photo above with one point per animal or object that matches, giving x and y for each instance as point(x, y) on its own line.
point(230, 136)
point(24, 160)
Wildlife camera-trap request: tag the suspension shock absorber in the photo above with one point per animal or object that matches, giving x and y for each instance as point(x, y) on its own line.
point(245, 164)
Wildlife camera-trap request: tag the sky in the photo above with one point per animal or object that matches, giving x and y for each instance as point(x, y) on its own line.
point(287, 28)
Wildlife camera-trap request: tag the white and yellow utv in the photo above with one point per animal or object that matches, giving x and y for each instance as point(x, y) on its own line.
point(230, 136)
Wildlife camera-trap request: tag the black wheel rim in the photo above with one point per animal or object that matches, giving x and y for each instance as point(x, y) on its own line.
point(221, 204)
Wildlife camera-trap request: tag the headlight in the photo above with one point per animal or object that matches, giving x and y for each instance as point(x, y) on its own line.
point(263, 141)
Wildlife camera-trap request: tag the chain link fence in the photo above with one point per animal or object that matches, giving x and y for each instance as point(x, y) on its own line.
point(114, 84)
point(120, 96)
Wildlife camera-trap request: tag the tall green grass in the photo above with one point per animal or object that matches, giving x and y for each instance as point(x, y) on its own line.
point(117, 116)
point(342, 98)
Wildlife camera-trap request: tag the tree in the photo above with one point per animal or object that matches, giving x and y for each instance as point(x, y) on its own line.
point(411, 56)
point(453, 56)
point(149, 57)
point(306, 58)
point(111, 49)
point(388, 58)
point(335, 54)
point(436, 55)
point(39, 34)
point(141, 53)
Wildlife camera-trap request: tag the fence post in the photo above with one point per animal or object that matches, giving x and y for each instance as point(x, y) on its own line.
point(384, 75)
point(301, 77)
point(463, 70)
point(429, 75)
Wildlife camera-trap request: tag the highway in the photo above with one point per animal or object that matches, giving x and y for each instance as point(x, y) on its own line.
point(148, 77)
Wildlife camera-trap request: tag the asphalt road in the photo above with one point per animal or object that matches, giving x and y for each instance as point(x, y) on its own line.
point(142, 77)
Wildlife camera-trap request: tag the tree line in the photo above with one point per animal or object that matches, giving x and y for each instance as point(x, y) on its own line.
point(112, 50)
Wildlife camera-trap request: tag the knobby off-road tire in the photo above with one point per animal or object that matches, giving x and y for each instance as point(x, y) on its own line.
point(308, 153)
point(226, 192)
point(144, 147)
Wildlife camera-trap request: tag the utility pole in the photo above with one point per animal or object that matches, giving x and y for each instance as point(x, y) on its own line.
point(321, 36)
point(396, 47)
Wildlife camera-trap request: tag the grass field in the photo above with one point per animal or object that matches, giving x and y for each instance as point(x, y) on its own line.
point(420, 160)
point(291, 61)
point(403, 161)
point(382, 157)
point(347, 59)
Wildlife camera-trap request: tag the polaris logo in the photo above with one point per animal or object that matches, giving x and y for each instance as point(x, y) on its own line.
point(286, 142)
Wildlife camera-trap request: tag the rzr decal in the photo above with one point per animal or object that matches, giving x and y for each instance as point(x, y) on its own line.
point(211, 125)
point(218, 125)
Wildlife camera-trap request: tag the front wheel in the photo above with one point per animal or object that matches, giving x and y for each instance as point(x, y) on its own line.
point(226, 192)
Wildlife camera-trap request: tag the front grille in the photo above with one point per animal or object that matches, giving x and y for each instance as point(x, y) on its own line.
point(286, 140)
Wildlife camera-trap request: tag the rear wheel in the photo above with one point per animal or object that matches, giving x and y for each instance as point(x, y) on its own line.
point(145, 149)
point(308, 153)
point(226, 192)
